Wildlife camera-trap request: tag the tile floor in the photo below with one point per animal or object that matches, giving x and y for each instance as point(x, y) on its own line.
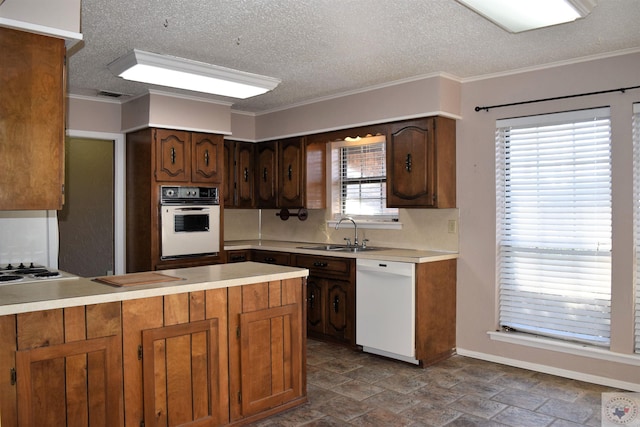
point(347, 388)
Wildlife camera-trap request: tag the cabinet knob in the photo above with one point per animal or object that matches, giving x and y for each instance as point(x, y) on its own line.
point(319, 264)
point(246, 174)
point(173, 155)
point(336, 304)
point(407, 163)
point(312, 300)
point(290, 172)
point(206, 157)
point(264, 175)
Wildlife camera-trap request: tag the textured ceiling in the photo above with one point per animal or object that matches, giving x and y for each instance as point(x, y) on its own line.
point(322, 48)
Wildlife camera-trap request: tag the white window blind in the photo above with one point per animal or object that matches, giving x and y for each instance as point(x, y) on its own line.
point(553, 179)
point(636, 201)
point(363, 179)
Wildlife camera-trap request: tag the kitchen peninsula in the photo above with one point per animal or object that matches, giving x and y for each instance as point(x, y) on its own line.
point(187, 347)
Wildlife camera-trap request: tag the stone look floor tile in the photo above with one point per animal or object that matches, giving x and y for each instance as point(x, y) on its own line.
point(570, 411)
point(518, 417)
point(350, 388)
point(520, 398)
point(478, 406)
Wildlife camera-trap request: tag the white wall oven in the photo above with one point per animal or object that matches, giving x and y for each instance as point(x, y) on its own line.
point(189, 221)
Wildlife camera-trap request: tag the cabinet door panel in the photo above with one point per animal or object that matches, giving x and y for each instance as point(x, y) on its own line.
point(338, 300)
point(266, 178)
point(43, 372)
point(207, 158)
point(412, 154)
point(31, 121)
point(315, 305)
point(173, 155)
point(245, 175)
point(291, 159)
point(270, 357)
point(228, 193)
point(174, 371)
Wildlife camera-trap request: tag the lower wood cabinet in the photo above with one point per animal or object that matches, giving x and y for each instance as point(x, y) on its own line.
point(267, 350)
point(206, 358)
point(330, 297)
point(62, 367)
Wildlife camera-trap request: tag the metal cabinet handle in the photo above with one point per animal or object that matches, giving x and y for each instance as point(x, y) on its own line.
point(408, 163)
point(246, 174)
point(319, 264)
point(173, 156)
point(206, 157)
point(290, 172)
point(264, 174)
point(269, 259)
point(336, 304)
point(238, 258)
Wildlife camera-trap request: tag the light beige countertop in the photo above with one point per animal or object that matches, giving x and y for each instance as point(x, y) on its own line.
point(383, 254)
point(45, 295)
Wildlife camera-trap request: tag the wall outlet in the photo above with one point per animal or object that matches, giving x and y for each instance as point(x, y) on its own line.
point(452, 226)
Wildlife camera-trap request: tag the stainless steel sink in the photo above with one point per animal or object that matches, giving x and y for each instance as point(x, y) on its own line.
point(339, 248)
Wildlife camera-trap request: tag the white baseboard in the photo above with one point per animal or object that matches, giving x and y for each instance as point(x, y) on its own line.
point(580, 376)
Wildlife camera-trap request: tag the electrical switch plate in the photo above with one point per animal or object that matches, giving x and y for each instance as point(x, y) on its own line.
point(452, 226)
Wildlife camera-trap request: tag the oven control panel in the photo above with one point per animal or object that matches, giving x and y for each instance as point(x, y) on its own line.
point(189, 195)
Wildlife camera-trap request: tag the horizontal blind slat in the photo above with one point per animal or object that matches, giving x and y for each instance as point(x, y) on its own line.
point(553, 185)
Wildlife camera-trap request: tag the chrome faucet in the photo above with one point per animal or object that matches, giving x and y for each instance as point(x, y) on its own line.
point(355, 227)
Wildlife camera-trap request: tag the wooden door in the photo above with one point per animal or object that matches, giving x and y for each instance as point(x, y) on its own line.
point(270, 359)
point(67, 366)
point(266, 178)
point(207, 158)
point(173, 155)
point(245, 181)
point(32, 78)
point(291, 176)
point(70, 384)
point(228, 187)
point(315, 304)
point(410, 165)
point(339, 299)
point(180, 374)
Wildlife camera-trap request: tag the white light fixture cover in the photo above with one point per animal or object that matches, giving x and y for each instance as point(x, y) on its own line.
point(171, 71)
point(522, 15)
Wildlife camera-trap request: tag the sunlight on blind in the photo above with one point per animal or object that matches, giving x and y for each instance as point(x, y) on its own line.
point(363, 177)
point(553, 179)
point(636, 219)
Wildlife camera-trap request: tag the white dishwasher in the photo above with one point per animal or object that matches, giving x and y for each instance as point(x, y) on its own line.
point(385, 308)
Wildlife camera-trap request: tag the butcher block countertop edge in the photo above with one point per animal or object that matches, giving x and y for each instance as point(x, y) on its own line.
point(46, 295)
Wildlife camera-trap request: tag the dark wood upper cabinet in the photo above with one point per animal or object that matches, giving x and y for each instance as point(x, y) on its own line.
point(32, 117)
point(421, 168)
point(291, 173)
point(173, 153)
point(239, 188)
point(207, 158)
point(266, 174)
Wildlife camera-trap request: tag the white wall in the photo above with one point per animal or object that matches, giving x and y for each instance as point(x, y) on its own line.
point(29, 236)
point(477, 292)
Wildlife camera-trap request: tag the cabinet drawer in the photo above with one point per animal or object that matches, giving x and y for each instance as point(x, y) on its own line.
point(322, 265)
point(238, 256)
point(271, 257)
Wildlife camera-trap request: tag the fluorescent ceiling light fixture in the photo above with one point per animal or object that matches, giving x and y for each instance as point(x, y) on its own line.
point(171, 71)
point(522, 15)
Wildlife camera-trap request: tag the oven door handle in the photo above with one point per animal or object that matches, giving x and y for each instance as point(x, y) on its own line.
point(191, 209)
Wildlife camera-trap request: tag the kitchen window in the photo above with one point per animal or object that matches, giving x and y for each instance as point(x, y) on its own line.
point(359, 179)
point(553, 179)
